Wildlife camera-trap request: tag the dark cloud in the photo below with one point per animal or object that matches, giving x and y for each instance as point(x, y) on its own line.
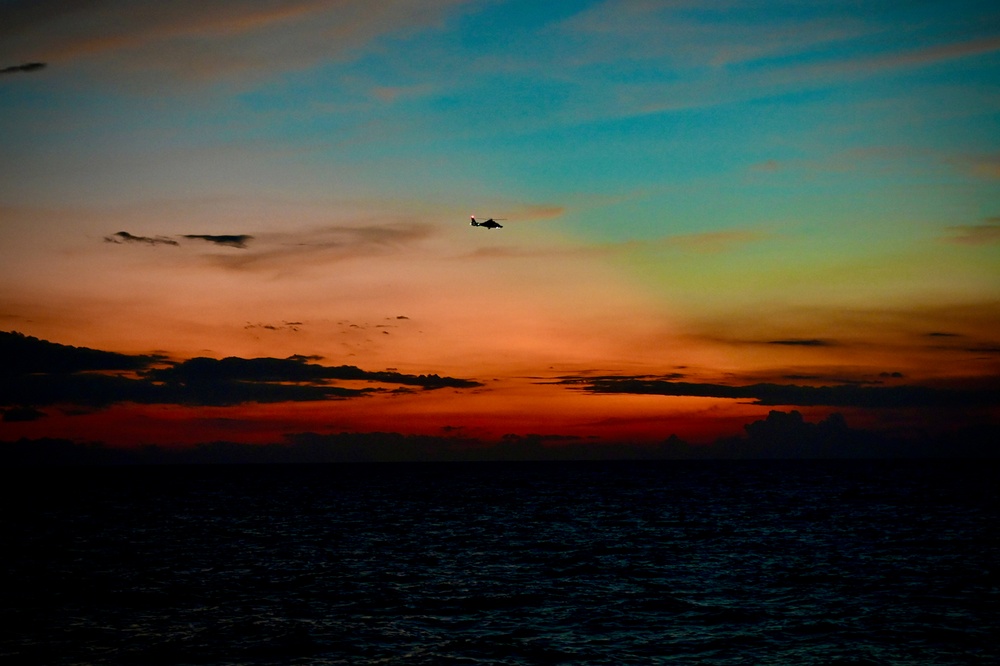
point(292, 369)
point(589, 379)
point(26, 67)
point(125, 237)
point(787, 436)
point(801, 342)
point(782, 435)
point(22, 414)
point(229, 240)
point(35, 373)
point(22, 354)
point(841, 395)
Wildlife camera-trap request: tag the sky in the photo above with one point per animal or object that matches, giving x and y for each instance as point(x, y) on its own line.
point(248, 221)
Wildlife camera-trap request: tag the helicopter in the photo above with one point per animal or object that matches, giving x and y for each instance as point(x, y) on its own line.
point(489, 224)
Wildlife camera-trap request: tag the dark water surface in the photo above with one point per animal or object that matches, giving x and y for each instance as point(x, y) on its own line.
point(500, 563)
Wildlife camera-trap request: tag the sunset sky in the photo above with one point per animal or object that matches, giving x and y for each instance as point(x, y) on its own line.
point(711, 210)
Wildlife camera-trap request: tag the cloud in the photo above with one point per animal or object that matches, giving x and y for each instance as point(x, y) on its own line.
point(986, 233)
point(840, 395)
point(35, 373)
point(229, 240)
point(987, 168)
point(294, 249)
point(537, 212)
point(23, 355)
point(293, 326)
point(698, 55)
point(586, 378)
point(710, 242)
point(26, 67)
point(786, 435)
point(332, 243)
point(801, 342)
point(189, 40)
point(15, 414)
point(294, 369)
point(781, 435)
point(125, 237)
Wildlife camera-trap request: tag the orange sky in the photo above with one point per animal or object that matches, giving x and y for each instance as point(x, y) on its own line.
point(690, 204)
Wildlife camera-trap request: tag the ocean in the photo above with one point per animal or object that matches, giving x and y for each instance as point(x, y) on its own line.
point(670, 562)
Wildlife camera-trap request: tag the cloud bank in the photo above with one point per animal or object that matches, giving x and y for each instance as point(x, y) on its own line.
point(37, 373)
point(840, 395)
point(782, 435)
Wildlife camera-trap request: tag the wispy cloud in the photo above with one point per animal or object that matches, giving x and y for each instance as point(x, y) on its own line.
point(697, 54)
point(801, 342)
point(976, 234)
point(185, 39)
point(294, 249)
point(123, 237)
point(708, 242)
point(26, 67)
point(229, 240)
point(287, 250)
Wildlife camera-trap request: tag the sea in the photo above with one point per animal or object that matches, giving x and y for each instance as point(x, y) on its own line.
point(667, 562)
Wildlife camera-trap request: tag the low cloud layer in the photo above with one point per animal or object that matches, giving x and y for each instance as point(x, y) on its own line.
point(840, 395)
point(781, 435)
point(37, 373)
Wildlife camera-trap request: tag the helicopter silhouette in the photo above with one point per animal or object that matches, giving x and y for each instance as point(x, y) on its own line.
point(489, 224)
